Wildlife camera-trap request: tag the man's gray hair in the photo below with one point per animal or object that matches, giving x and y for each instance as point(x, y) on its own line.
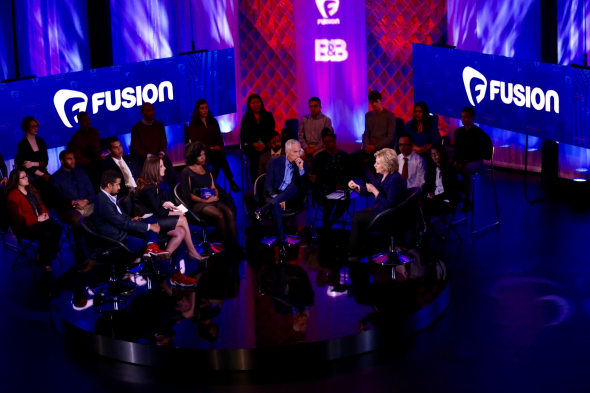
point(290, 142)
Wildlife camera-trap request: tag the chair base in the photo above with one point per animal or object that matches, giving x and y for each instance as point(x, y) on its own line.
point(392, 258)
point(290, 240)
point(114, 288)
point(111, 306)
point(208, 249)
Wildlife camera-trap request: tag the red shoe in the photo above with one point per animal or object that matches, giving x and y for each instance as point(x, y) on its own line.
point(183, 281)
point(153, 251)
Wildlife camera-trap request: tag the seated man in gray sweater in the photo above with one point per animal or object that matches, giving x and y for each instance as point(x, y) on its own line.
point(379, 133)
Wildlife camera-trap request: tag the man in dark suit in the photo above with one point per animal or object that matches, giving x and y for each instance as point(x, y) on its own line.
point(286, 179)
point(110, 221)
point(126, 165)
point(74, 194)
point(275, 151)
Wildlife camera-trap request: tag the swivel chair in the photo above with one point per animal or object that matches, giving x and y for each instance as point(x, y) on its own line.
point(204, 248)
point(396, 222)
point(288, 213)
point(106, 251)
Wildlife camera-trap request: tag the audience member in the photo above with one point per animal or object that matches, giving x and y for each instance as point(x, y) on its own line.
point(257, 126)
point(110, 221)
point(30, 218)
point(4, 171)
point(388, 189)
point(150, 199)
point(32, 155)
point(274, 151)
point(411, 166)
point(204, 128)
point(148, 137)
point(442, 193)
point(424, 130)
point(472, 146)
point(379, 133)
point(196, 178)
point(310, 128)
point(286, 180)
point(85, 144)
point(333, 171)
point(74, 194)
point(124, 164)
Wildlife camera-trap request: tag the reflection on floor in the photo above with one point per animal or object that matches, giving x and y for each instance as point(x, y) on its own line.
point(313, 294)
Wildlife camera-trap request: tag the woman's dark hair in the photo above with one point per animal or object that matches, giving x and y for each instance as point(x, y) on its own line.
point(24, 125)
point(249, 110)
point(13, 180)
point(426, 118)
point(444, 161)
point(196, 114)
point(193, 151)
point(150, 173)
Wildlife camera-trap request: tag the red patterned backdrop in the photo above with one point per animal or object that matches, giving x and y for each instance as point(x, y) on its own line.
point(267, 56)
point(392, 28)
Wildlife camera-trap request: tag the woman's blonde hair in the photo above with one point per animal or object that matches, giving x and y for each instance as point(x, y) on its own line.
point(388, 158)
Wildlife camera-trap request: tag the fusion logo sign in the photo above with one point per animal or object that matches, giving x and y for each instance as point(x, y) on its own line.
point(127, 98)
point(330, 50)
point(328, 8)
point(509, 93)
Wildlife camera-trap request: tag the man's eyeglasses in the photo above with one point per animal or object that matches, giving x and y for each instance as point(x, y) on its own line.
point(314, 106)
point(405, 144)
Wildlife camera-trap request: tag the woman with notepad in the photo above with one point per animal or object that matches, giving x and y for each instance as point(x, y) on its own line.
point(198, 189)
point(150, 199)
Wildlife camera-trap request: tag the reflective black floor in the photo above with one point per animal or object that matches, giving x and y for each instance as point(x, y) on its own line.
point(311, 295)
point(518, 320)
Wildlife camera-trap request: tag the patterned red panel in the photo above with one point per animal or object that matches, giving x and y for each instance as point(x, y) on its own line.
point(392, 28)
point(267, 55)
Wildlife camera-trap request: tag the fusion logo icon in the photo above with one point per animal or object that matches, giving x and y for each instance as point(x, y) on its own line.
point(328, 8)
point(128, 98)
point(510, 93)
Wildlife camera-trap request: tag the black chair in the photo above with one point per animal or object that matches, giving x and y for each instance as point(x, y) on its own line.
point(396, 222)
point(288, 213)
point(106, 251)
point(204, 248)
point(126, 205)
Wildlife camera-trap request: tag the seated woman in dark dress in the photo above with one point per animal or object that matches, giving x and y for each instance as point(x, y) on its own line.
point(389, 189)
point(150, 198)
point(441, 188)
point(204, 128)
point(424, 130)
point(32, 155)
point(30, 219)
point(256, 131)
point(196, 176)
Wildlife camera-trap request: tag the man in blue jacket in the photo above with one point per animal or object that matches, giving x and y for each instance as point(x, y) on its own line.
point(286, 178)
point(74, 195)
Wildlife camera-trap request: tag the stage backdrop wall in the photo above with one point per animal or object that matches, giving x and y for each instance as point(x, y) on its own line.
point(392, 27)
point(153, 29)
point(507, 28)
point(574, 162)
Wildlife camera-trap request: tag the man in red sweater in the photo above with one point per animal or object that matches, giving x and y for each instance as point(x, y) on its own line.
point(148, 137)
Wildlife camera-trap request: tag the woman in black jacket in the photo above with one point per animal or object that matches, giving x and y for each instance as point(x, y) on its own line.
point(256, 129)
point(441, 187)
point(32, 156)
point(150, 199)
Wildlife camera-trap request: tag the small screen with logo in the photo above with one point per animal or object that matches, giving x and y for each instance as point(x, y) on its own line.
point(544, 100)
point(113, 96)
